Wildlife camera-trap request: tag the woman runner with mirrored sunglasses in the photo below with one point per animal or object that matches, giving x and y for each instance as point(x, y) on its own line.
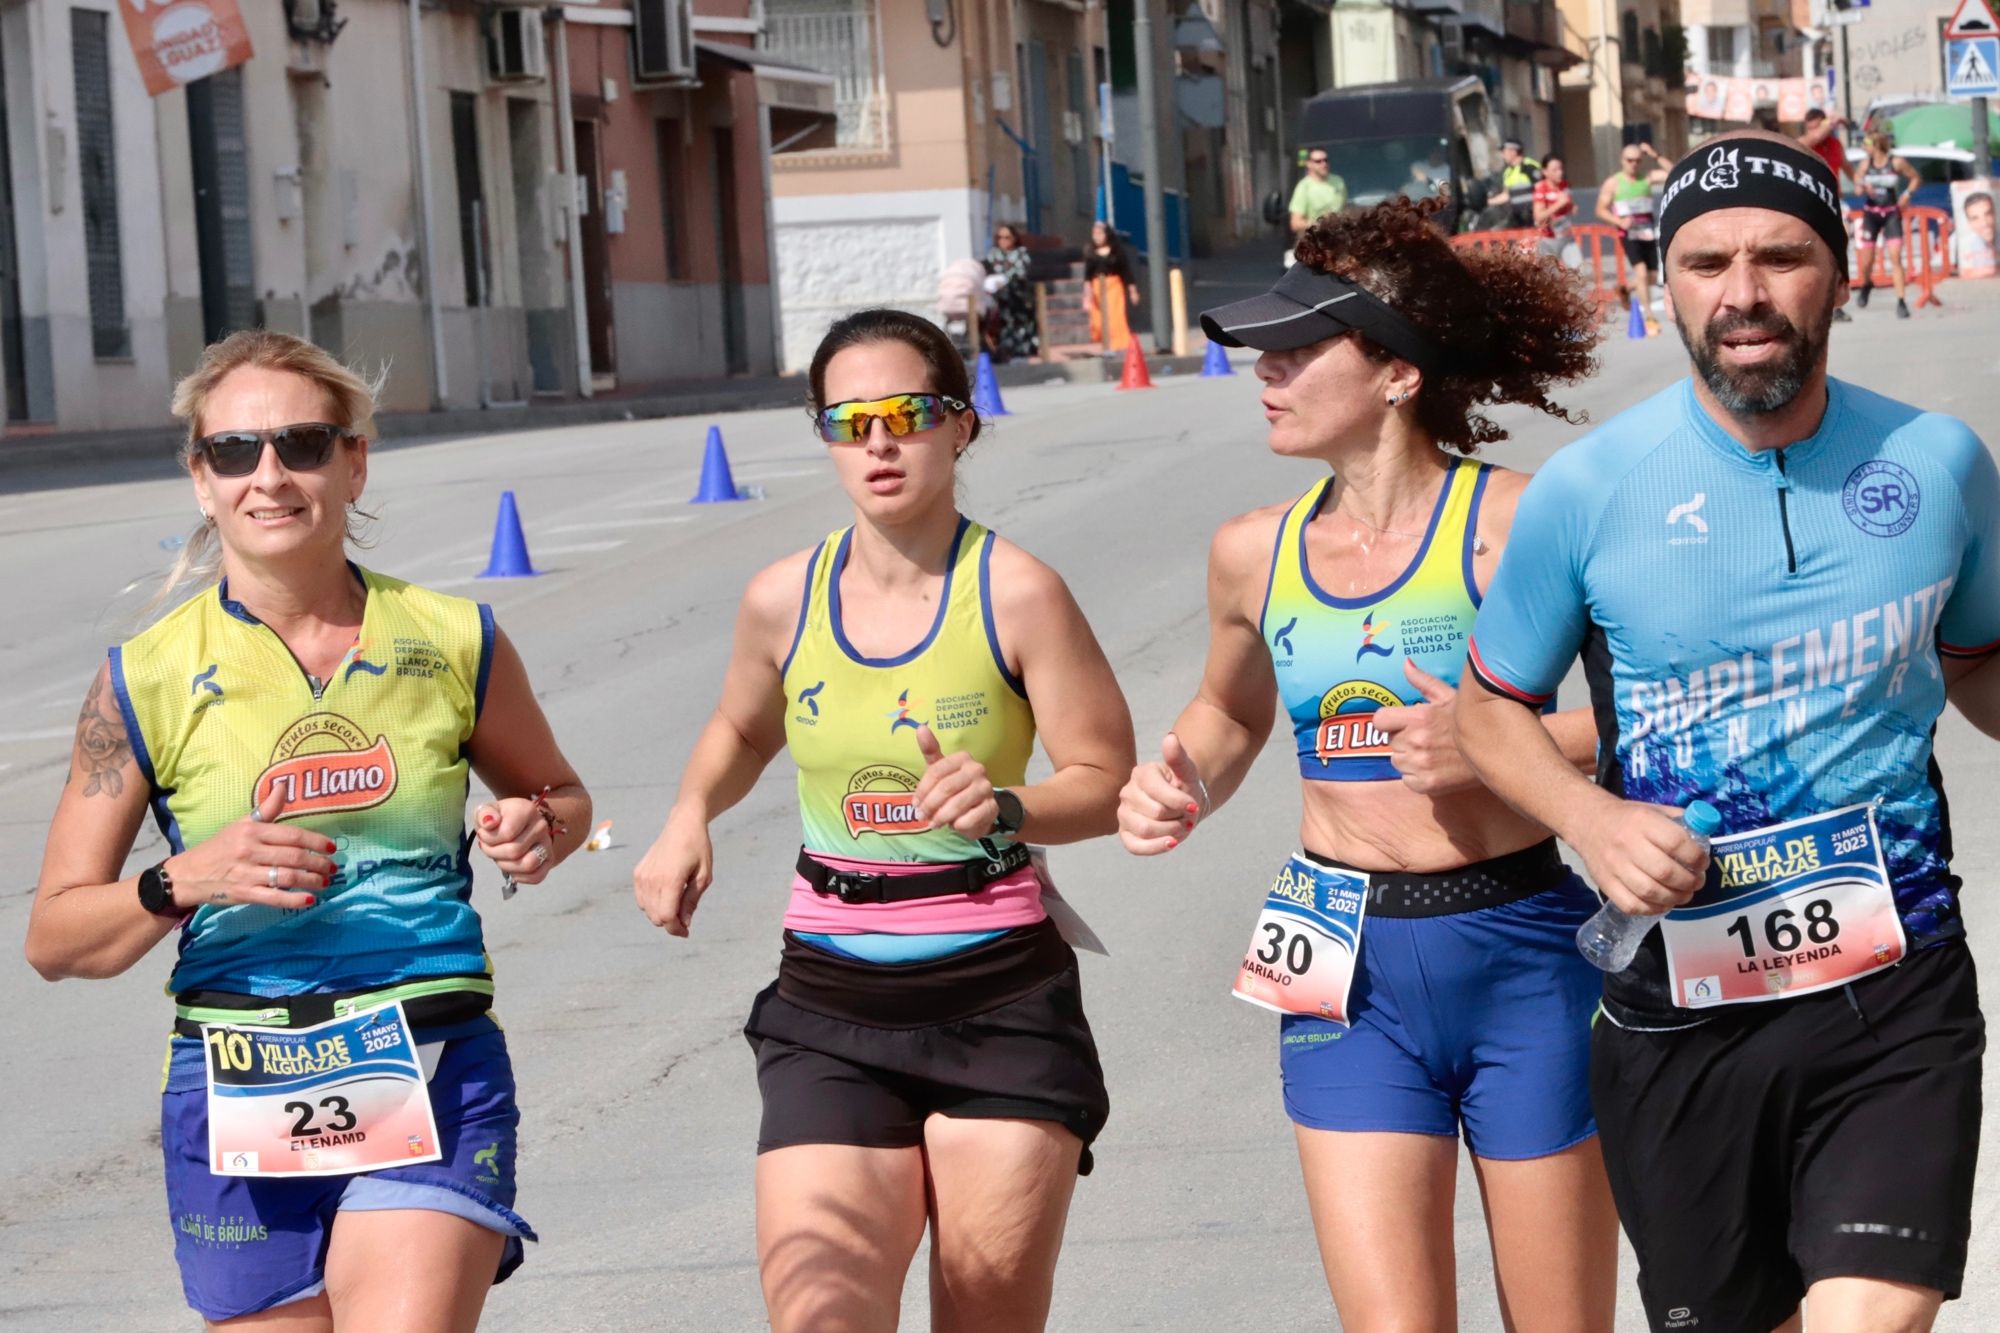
point(923, 1055)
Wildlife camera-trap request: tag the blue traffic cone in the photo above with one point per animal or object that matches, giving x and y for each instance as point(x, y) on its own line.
point(716, 482)
point(1216, 362)
point(1635, 327)
point(510, 548)
point(986, 389)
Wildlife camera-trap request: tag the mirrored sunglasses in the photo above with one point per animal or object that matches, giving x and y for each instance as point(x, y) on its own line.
point(301, 448)
point(849, 422)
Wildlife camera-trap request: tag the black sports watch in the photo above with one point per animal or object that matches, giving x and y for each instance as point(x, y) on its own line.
point(1011, 815)
point(156, 891)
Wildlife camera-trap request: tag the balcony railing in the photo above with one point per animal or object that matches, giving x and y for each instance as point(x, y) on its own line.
point(841, 40)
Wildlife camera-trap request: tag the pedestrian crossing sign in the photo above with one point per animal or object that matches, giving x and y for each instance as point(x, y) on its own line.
point(1972, 67)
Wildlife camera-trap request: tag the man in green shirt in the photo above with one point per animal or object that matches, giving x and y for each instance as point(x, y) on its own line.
point(1319, 192)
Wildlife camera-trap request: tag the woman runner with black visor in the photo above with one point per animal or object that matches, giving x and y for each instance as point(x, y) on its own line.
point(923, 1055)
point(1467, 1008)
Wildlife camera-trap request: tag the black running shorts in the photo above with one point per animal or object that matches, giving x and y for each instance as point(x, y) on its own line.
point(863, 1053)
point(1880, 227)
point(1833, 1135)
point(1641, 254)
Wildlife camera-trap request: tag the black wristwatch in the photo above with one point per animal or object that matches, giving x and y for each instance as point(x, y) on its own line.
point(1011, 815)
point(156, 891)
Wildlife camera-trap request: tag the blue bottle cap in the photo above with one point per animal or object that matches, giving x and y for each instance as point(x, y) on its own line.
point(1702, 818)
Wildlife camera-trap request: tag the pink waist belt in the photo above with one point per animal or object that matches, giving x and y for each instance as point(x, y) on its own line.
point(841, 895)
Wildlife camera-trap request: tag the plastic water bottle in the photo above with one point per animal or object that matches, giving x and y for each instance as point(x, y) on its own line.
point(1611, 939)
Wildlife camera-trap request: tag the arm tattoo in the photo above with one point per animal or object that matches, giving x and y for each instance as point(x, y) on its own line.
point(102, 747)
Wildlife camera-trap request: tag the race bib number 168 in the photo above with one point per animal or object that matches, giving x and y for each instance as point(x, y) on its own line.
point(1794, 908)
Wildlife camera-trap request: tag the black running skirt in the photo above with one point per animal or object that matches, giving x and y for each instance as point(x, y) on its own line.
point(862, 1053)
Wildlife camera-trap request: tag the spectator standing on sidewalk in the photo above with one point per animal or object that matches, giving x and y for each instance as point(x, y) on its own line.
point(1518, 179)
point(1822, 137)
point(1013, 334)
point(1318, 192)
point(1109, 289)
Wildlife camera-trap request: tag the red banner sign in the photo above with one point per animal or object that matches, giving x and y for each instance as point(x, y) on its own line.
point(179, 41)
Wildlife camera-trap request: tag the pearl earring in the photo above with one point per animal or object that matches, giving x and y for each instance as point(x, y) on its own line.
point(206, 517)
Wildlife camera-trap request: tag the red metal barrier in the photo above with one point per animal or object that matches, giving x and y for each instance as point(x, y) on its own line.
point(1596, 240)
point(1932, 257)
point(1526, 238)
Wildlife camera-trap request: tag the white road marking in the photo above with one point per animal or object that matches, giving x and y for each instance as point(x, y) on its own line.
point(598, 525)
point(45, 734)
point(572, 548)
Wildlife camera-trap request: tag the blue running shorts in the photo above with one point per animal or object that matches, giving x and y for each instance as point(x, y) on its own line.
point(1479, 1019)
point(247, 1244)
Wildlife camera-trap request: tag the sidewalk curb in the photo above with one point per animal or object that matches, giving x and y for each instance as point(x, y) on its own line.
point(83, 449)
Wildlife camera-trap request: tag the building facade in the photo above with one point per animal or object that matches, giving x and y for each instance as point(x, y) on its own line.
point(590, 198)
point(947, 126)
point(1628, 84)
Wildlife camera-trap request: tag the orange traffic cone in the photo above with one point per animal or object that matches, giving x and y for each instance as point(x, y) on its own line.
point(1135, 376)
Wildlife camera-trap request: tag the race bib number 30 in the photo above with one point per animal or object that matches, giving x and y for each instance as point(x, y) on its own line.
point(342, 1097)
point(1301, 955)
point(1796, 908)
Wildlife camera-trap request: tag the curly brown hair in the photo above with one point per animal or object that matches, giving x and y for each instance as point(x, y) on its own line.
point(1512, 323)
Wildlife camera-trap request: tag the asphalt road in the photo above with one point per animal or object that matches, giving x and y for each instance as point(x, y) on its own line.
point(638, 1092)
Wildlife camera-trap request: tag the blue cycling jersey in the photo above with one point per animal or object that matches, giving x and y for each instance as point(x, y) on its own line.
point(1761, 629)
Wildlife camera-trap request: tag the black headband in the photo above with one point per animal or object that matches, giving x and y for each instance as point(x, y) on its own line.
point(1307, 306)
point(1755, 173)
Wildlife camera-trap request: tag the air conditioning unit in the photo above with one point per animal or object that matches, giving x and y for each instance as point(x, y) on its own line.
point(1452, 34)
point(515, 52)
point(662, 42)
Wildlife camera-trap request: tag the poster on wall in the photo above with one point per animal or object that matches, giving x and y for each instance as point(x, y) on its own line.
point(1736, 104)
point(1721, 97)
point(1973, 228)
point(1707, 95)
point(179, 41)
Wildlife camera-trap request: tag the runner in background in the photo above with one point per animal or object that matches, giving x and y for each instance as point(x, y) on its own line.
point(1469, 1008)
point(1776, 581)
point(302, 731)
point(923, 1055)
point(1555, 206)
point(1887, 182)
point(1626, 202)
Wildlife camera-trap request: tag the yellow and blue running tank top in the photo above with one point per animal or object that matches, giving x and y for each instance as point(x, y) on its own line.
point(220, 713)
point(1340, 659)
point(851, 721)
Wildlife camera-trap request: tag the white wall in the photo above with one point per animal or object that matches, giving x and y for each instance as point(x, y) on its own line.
point(1894, 49)
point(91, 394)
point(842, 252)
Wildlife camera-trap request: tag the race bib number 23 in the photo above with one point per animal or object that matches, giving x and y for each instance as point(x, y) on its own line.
point(342, 1097)
point(1302, 952)
point(1795, 908)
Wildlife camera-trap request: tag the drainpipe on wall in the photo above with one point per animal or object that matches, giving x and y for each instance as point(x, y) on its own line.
point(572, 222)
point(433, 311)
point(770, 204)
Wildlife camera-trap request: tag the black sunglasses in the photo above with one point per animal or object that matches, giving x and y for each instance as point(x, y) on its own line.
point(301, 448)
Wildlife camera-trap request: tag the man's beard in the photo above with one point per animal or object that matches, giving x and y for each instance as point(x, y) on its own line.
point(1769, 387)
